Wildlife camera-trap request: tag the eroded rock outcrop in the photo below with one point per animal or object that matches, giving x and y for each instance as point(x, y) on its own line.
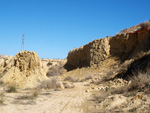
point(124, 48)
point(24, 70)
point(89, 55)
point(4, 61)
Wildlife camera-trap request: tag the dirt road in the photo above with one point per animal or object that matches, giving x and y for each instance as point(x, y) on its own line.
point(66, 101)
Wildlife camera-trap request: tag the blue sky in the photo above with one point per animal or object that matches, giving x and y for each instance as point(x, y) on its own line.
point(53, 27)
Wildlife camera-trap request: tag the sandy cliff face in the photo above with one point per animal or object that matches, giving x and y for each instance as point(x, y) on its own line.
point(24, 70)
point(89, 55)
point(128, 45)
point(4, 61)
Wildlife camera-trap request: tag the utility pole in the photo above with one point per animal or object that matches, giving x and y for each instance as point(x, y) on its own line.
point(22, 45)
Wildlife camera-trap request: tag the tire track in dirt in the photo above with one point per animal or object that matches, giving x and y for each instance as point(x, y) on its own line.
point(65, 101)
point(67, 104)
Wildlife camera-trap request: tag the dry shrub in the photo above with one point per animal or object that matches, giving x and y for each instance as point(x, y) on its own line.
point(99, 97)
point(68, 85)
point(55, 70)
point(12, 89)
point(86, 77)
point(29, 97)
point(1, 82)
point(35, 94)
point(2, 98)
point(50, 84)
point(139, 81)
point(52, 73)
point(133, 110)
point(71, 79)
point(99, 81)
point(120, 90)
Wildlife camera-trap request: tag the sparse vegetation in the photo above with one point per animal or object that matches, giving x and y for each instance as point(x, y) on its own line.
point(139, 81)
point(12, 89)
point(86, 77)
point(1, 82)
point(107, 88)
point(99, 97)
point(1, 98)
point(50, 84)
point(120, 90)
point(71, 79)
point(133, 109)
point(112, 59)
point(55, 70)
point(30, 97)
point(35, 94)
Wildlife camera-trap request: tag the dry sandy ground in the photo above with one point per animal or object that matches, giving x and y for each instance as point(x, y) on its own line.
point(73, 100)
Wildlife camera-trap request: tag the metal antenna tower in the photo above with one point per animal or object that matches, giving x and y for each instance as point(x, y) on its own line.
point(22, 45)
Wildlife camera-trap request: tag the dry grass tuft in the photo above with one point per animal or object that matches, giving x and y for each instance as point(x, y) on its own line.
point(71, 79)
point(1, 82)
point(2, 98)
point(99, 97)
point(50, 84)
point(29, 97)
point(12, 89)
point(55, 70)
point(139, 81)
point(86, 77)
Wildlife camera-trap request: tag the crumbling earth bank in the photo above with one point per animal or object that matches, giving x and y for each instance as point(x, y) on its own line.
point(123, 49)
point(24, 70)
